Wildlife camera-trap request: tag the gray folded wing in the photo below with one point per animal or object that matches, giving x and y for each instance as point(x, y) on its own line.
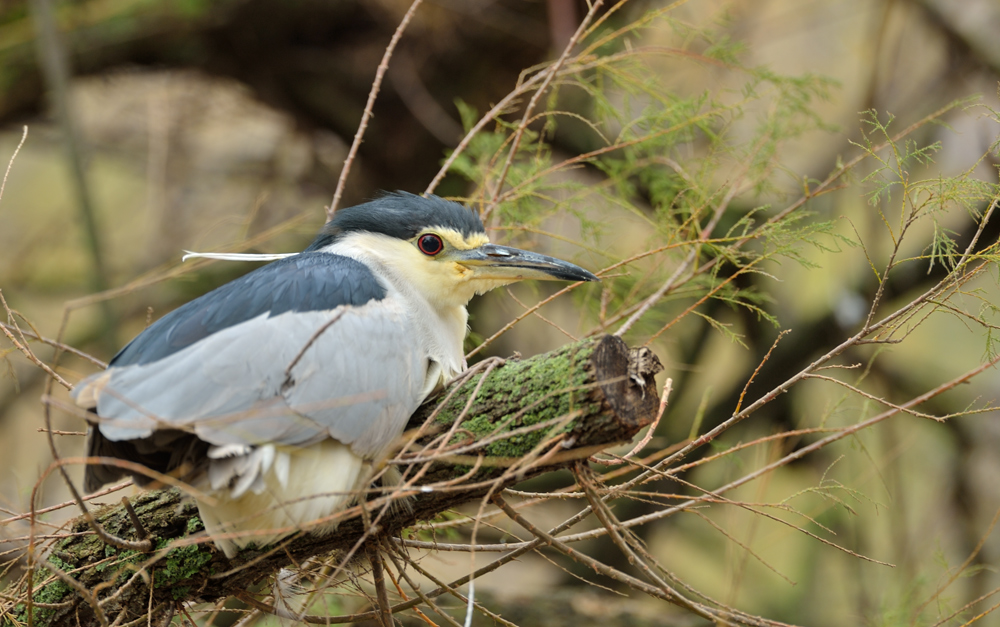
point(358, 382)
point(354, 372)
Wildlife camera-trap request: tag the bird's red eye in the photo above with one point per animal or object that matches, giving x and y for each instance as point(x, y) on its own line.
point(430, 244)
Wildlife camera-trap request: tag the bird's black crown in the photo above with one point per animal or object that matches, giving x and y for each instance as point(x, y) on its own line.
point(401, 215)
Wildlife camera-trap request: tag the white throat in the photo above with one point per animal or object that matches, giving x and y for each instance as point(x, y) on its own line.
point(442, 326)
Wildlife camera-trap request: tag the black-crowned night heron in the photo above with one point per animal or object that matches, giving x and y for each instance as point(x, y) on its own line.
point(276, 394)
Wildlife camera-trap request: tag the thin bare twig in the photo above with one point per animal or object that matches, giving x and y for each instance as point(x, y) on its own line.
point(10, 164)
point(378, 576)
point(524, 315)
point(366, 116)
point(312, 339)
point(603, 568)
point(550, 74)
point(756, 371)
point(60, 345)
point(27, 351)
point(805, 450)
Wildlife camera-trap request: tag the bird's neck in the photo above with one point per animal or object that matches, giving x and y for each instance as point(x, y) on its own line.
point(442, 318)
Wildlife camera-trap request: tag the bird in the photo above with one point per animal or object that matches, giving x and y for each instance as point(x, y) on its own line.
point(280, 393)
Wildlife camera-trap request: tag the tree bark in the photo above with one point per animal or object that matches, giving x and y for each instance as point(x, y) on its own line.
point(592, 393)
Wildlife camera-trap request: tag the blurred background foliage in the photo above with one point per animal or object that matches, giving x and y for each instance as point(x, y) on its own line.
point(675, 139)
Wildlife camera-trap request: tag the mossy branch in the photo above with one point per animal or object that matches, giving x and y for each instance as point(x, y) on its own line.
point(527, 417)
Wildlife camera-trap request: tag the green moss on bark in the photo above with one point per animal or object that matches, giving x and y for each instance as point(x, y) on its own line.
point(184, 563)
point(524, 393)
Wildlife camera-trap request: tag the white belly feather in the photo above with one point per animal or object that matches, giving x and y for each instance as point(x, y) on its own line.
point(294, 488)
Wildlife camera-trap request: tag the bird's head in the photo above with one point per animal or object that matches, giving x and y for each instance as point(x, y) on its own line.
point(437, 246)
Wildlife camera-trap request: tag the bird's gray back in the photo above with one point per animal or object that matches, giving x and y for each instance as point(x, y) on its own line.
point(306, 282)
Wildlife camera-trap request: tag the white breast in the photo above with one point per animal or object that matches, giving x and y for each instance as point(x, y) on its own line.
point(441, 331)
point(299, 489)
